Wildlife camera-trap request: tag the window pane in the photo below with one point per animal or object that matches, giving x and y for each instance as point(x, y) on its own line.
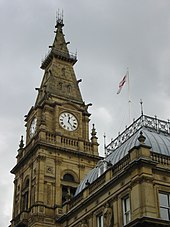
point(126, 211)
point(127, 218)
point(164, 206)
point(164, 213)
point(100, 221)
point(163, 198)
point(127, 204)
point(68, 177)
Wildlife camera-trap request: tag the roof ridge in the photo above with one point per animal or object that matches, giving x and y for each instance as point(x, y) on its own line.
point(155, 124)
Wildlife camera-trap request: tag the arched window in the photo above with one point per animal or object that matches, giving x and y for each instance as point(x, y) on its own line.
point(25, 195)
point(63, 72)
point(68, 177)
point(68, 187)
point(26, 184)
point(69, 88)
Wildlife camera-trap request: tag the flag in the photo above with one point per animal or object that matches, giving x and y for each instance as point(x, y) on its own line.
point(122, 82)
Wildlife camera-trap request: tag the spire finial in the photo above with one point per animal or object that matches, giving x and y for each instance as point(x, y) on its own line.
point(141, 138)
point(59, 18)
point(93, 133)
point(141, 106)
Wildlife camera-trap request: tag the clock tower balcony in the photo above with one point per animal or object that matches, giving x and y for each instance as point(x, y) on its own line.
point(60, 142)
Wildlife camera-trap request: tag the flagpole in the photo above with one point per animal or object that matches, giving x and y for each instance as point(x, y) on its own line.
point(122, 82)
point(129, 98)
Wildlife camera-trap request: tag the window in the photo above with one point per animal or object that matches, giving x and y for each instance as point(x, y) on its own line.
point(69, 88)
point(25, 195)
point(63, 72)
point(68, 187)
point(100, 221)
point(25, 201)
point(164, 200)
point(68, 177)
point(67, 193)
point(126, 210)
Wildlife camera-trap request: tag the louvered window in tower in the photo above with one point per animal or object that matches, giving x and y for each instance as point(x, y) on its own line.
point(25, 195)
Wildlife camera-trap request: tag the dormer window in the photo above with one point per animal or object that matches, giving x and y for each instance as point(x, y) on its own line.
point(102, 167)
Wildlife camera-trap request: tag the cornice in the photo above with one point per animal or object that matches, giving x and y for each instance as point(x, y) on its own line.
point(40, 144)
point(148, 221)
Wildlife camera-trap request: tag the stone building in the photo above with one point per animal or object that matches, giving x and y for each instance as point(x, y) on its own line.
point(60, 179)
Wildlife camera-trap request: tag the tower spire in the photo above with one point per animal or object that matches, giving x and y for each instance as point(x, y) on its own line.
point(59, 48)
point(58, 150)
point(59, 77)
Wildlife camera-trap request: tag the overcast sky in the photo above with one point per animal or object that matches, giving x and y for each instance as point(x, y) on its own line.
point(109, 36)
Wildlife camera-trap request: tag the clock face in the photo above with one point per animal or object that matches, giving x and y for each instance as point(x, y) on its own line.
point(33, 127)
point(68, 121)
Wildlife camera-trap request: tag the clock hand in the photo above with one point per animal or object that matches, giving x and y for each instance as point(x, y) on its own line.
point(70, 122)
point(68, 119)
point(70, 125)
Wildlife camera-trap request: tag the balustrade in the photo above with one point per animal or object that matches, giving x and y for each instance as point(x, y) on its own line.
point(161, 159)
point(143, 121)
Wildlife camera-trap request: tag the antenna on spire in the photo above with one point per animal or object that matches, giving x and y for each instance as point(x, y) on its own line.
point(141, 106)
point(59, 18)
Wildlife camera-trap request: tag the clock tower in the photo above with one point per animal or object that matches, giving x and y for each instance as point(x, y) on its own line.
point(58, 152)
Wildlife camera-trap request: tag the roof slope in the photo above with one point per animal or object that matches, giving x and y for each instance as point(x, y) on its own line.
point(157, 135)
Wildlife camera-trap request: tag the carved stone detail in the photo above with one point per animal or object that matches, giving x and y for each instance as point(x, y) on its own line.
point(49, 192)
point(108, 216)
point(41, 209)
point(58, 161)
point(81, 166)
point(84, 223)
point(49, 169)
point(41, 158)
